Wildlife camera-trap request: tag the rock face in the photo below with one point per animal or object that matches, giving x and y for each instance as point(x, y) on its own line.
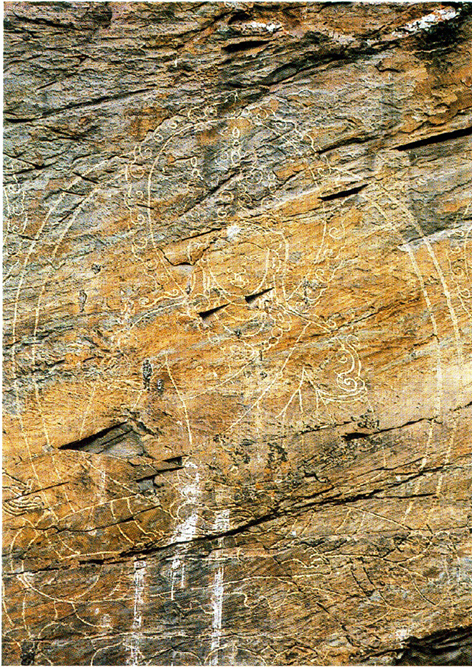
point(238, 334)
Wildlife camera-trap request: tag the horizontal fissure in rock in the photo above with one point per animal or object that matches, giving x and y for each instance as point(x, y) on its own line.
point(343, 193)
point(447, 647)
point(204, 315)
point(252, 298)
point(238, 47)
point(350, 436)
point(119, 440)
point(435, 139)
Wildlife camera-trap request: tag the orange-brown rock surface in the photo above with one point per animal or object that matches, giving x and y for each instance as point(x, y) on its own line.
point(238, 335)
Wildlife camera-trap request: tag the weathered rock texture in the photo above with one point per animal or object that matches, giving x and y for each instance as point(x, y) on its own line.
point(238, 333)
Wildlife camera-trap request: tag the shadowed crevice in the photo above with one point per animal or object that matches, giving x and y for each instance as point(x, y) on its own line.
point(247, 45)
point(343, 193)
point(350, 436)
point(252, 298)
point(204, 315)
point(435, 139)
point(445, 648)
point(120, 441)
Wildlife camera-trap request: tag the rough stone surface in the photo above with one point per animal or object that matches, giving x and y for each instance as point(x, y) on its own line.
point(238, 335)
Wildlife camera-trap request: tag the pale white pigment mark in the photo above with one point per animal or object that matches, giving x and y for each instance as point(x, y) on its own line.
point(138, 584)
point(259, 27)
point(340, 38)
point(231, 654)
point(217, 606)
point(186, 530)
point(105, 621)
point(232, 232)
point(176, 563)
point(270, 27)
point(402, 634)
point(221, 525)
point(426, 22)
point(103, 487)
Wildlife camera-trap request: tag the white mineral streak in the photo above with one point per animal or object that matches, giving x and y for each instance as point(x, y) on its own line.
point(217, 607)
point(340, 38)
point(103, 487)
point(138, 583)
point(186, 530)
point(259, 27)
point(232, 232)
point(426, 22)
point(221, 525)
point(270, 27)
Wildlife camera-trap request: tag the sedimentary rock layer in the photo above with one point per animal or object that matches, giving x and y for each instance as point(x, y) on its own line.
point(238, 335)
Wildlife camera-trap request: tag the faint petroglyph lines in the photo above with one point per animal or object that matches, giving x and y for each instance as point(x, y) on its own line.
point(424, 461)
point(14, 197)
point(459, 265)
point(184, 406)
point(374, 199)
point(411, 219)
point(245, 332)
point(14, 326)
point(21, 502)
point(271, 384)
point(37, 317)
point(29, 254)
